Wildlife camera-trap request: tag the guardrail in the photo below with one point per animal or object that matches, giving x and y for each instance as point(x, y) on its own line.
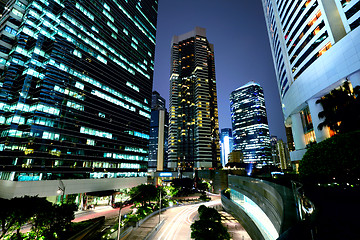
point(151, 234)
point(90, 229)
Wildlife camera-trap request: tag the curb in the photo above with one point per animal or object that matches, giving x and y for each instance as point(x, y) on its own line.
point(151, 234)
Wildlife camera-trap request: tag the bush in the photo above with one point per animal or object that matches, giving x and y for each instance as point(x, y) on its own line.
point(336, 159)
point(203, 197)
point(209, 226)
point(227, 193)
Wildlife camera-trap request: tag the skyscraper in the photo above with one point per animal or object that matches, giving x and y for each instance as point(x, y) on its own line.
point(194, 128)
point(76, 85)
point(226, 144)
point(159, 128)
point(314, 46)
point(157, 101)
point(274, 150)
point(249, 124)
point(283, 154)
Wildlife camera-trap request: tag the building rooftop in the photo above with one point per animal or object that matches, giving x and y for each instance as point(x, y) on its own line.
point(197, 31)
point(251, 83)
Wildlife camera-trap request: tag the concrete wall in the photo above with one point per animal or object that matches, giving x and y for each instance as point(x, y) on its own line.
point(276, 201)
point(243, 218)
point(11, 189)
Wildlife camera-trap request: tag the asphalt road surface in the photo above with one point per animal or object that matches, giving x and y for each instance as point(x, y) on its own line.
point(178, 220)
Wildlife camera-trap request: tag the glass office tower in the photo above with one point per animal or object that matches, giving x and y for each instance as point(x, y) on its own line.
point(194, 127)
point(314, 45)
point(250, 125)
point(76, 85)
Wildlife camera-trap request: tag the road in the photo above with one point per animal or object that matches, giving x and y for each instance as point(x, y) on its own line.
point(106, 211)
point(178, 220)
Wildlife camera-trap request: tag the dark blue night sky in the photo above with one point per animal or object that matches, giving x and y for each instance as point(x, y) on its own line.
point(242, 52)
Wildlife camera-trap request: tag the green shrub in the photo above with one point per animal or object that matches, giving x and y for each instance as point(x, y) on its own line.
point(336, 159)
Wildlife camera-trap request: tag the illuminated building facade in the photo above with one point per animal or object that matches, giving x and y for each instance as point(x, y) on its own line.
point(76, 86)
point(250, 125)
point(194, 128)
point(314, 45)
point(274, 151)
point(279, 152)
point(226, 145)
point(159, 128)
point(283, 154)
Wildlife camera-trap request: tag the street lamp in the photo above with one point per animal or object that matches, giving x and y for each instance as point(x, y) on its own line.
point(61, 189)
point(160, 206)
point(119, 227)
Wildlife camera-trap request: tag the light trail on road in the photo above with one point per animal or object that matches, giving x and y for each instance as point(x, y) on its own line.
point(178, 221)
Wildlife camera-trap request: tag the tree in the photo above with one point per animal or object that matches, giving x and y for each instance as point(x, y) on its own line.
point(7, 220)
point(144, 193)
point(48, 220)
point(208, 213)
point(16, 212)
point(208, 230)
point(209, 226)
point(341, 109)
point(185, 185)
point(337, 157)
point(52, 221)
point(171, 191)
point(203, 186)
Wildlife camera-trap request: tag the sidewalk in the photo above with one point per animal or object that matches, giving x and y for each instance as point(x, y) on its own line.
point(236, 231)
point(145, 229)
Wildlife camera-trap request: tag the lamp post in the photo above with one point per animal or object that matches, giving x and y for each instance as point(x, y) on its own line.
point(119, 227)
point(61, 189)
point(160, 206)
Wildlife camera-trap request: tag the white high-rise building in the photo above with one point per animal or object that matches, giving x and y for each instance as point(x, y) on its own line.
point(316, 47)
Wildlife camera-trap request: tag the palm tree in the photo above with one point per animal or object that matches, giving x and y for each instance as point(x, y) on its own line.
point(341, 109)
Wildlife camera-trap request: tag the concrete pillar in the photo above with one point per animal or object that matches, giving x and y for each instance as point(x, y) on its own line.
point(297, 131)
point(355, 79)
point(314, 111)
point(161, 141)
point(330, 10)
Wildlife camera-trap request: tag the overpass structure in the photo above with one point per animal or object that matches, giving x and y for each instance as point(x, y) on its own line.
point(265, 210)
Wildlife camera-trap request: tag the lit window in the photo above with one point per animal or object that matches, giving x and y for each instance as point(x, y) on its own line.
point(106, 7)
point(90, 142)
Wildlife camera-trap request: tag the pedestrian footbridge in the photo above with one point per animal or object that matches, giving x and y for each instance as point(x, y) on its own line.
point(264, 209)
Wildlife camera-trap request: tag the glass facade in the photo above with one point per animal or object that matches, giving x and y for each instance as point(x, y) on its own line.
point(250, 125)
point(76, 84)
point(307, 126)
point(194, 127)
point(256, 214)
